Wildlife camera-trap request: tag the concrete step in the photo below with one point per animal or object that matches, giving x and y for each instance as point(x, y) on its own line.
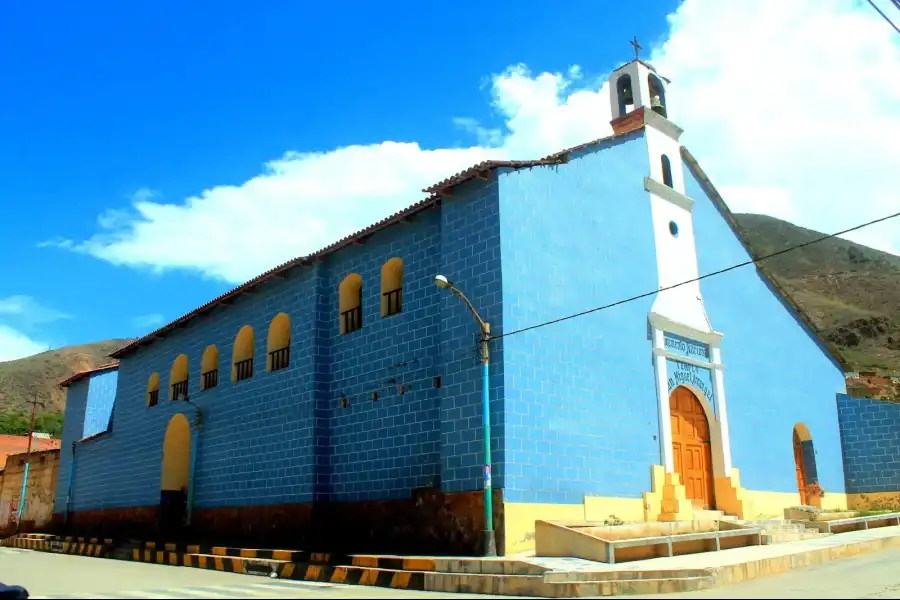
point(708, 515)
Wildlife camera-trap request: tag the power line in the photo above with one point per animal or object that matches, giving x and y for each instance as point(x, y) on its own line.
point(886, 18)
point(719, 272)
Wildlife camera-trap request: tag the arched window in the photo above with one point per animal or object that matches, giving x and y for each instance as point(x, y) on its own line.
point(178, 378)
point(624, 93)
point(666, 170)
point(278, 348)
point(209, 368)
point(392, 287)
point(153, 390)
point(242, 355)
point(350, 292)
point(657, 95)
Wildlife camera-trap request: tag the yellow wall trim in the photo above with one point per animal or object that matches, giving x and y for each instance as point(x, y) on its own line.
point(872, 501)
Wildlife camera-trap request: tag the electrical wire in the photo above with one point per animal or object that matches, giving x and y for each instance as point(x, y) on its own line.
point(708, 275)
point(886, 18)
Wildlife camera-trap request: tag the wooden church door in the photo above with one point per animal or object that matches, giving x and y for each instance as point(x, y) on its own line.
point(691, 446)
point(798, 467)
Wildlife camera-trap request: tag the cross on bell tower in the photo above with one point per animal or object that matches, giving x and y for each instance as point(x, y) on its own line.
point(637, 48)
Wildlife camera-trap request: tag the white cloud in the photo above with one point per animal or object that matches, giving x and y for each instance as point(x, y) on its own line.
point(28, 311)
point(792, 108)
point(148, 321)
point(15, 344)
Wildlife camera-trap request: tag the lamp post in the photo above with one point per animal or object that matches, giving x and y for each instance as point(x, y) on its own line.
point(488, 536)
point(192, 471)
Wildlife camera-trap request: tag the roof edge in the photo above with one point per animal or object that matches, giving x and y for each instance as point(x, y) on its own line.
point(708, 187)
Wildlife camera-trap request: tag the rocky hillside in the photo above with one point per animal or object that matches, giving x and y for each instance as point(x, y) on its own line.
point(41, 374)
point(851, 292)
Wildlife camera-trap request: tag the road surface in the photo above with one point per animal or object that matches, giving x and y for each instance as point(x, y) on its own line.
point(47, 575)
point(875, 575)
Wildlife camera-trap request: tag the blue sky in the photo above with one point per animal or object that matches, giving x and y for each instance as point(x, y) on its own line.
point(114, 115)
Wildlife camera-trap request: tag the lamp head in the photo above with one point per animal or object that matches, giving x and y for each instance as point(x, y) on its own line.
point(442, 282)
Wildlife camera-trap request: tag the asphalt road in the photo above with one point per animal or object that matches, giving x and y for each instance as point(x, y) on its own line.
point(62, 576)
point(875, 576)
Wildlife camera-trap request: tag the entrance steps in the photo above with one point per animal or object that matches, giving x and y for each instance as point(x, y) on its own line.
point(707, 516)
point(784, 530)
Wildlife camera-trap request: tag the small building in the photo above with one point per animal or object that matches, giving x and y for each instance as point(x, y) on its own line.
point(336, 400)
point(37, 511)
point(16, 444)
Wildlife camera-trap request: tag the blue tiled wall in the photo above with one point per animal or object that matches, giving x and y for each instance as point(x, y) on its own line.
point(283, 437)
point(470, 257)
point(870, 435)
point(776, 373)
point(581, 410)
point(73, 426)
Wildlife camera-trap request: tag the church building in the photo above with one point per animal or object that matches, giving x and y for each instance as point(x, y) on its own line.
point(336, 400)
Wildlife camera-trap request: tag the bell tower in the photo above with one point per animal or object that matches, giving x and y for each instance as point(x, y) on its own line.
point(637, 85)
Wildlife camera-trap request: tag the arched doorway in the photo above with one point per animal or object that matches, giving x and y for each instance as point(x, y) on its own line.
point(691, 447)
point(175, 475)
point(805, 464)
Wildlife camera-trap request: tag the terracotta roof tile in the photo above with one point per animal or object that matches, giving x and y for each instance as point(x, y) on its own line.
point(82, 374)
point(18, 444)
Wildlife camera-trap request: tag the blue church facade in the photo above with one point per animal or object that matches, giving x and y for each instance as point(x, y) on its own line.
point(344, 388)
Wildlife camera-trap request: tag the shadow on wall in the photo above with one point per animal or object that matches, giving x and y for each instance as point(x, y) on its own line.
point(429, 522)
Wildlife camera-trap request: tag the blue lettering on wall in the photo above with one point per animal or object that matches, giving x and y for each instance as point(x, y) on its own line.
point(682, 373)
point(683, 346)
point(100, 399)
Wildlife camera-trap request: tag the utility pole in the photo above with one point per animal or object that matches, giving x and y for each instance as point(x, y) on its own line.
point(34, 404)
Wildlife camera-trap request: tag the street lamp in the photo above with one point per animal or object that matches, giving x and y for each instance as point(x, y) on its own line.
point(192, 469)
point(490, 542)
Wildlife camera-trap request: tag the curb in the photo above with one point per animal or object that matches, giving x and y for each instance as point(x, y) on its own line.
point(92, 548)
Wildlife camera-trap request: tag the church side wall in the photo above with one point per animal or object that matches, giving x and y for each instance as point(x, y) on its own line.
point(871, 450)
point(581, 410)
point(776, 372)
point(276, 447)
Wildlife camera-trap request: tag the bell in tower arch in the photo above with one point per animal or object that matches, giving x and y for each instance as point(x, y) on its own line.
point(657, 95)
point(627, 94)
point(657, 106)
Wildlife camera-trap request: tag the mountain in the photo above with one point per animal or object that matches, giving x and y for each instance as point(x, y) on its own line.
point(21, 379)
point(850, 292)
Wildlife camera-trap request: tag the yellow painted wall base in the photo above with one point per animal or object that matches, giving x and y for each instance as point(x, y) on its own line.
point(667, 498)
point(519, 518)
point(601, 508)
point(766, 505)
point(873, 501)
point(730, 495)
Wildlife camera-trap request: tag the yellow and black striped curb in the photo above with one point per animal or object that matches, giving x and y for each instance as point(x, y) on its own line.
point(352, 575)
point(298, 556)
point(57, 547)
point(359, 575)
point(394, 563)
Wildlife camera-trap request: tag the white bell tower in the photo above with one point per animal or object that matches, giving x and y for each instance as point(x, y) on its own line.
point(637, 85)
point(678, 317)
